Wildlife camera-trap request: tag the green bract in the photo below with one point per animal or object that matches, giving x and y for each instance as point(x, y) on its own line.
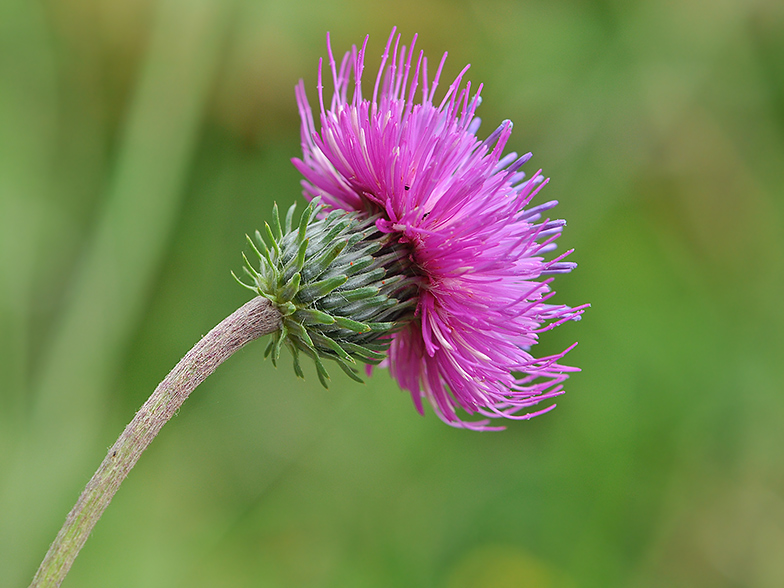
point(340, 284)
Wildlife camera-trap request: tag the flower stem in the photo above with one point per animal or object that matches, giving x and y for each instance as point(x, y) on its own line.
point(254, 319)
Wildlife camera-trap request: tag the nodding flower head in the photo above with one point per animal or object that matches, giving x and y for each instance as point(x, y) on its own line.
point(460, 209)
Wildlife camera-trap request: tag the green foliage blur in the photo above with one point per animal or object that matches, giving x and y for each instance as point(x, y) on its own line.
point(141, 139)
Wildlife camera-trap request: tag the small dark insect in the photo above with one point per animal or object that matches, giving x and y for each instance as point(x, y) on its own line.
point(407, 187)
point(114, 453)
point(424, 216)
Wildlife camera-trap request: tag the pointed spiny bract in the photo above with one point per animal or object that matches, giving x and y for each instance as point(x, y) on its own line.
point(302, 270)
point(459, 207)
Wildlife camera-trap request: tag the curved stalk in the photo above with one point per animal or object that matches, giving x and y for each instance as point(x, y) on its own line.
point(254, 319)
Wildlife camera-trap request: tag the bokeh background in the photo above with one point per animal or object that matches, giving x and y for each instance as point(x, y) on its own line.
point(141, 139)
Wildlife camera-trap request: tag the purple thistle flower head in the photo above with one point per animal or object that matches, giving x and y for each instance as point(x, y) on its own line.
point(460, 206)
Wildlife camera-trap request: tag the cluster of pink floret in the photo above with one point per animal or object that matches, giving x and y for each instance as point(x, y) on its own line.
point(460, 206)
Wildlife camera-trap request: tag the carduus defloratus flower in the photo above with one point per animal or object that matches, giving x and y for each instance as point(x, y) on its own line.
point(460, 210)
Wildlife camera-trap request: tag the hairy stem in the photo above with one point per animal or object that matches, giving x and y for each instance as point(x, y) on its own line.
point(254, 319)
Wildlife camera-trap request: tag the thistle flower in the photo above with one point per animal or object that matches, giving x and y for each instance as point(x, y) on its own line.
point(408, 210)
point(458, 206)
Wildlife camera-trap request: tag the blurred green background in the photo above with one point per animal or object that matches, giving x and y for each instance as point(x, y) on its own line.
point(141, 139)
